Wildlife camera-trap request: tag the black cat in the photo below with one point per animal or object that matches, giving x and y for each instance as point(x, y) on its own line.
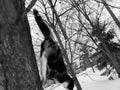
point(52, 63)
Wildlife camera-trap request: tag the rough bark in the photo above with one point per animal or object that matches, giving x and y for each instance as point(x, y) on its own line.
point(19, 63)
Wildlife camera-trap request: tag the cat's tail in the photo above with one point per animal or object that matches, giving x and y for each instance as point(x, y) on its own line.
point(43, 27)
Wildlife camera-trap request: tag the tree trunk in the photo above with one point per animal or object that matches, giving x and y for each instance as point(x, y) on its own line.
point(19, 63)
point(111, 13)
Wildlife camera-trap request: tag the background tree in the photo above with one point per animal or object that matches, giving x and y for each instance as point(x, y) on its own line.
point(105, 36)
point(84, 9)
point(74, 22)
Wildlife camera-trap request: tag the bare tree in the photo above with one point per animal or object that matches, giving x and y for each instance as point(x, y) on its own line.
point(82, 9)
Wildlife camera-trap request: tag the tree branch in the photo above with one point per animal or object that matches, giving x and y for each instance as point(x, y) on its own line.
point(31, 5)
point(108, 4)
point(26, 11)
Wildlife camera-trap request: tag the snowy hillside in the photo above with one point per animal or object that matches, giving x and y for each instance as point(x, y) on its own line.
point(93, 81)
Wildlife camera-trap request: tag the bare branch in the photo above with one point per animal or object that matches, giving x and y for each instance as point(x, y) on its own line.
point(66, 11)
point(30, 5)
point(27, 10)
point(108, 4)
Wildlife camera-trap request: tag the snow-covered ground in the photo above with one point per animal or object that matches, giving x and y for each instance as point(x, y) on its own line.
point(93, 81)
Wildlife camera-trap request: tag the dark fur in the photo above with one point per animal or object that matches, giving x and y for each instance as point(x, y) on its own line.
point(56, 68)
